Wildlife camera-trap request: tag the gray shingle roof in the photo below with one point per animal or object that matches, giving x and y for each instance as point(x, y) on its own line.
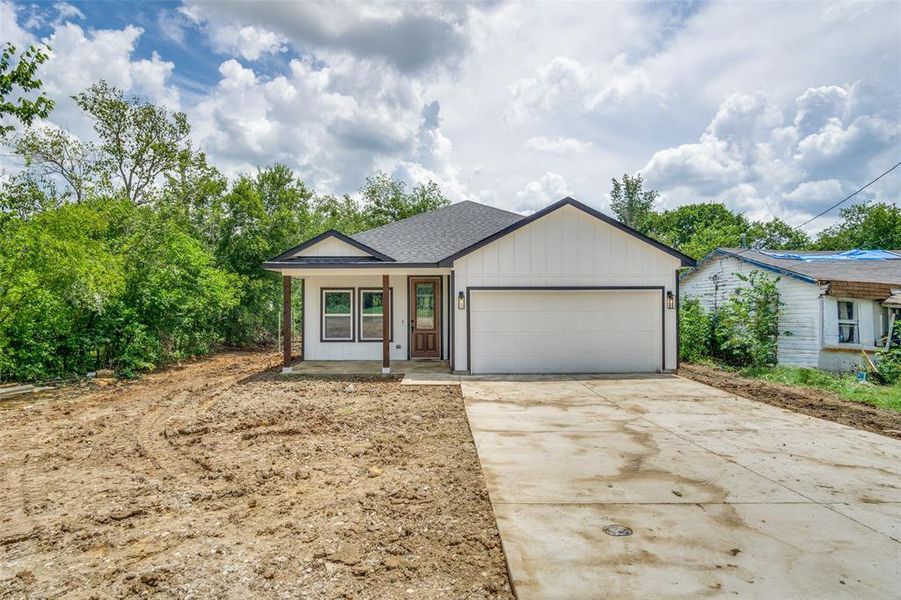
point(431, 236)
point(872, 271)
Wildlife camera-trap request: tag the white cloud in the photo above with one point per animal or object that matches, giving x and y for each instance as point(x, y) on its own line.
point(557, 145)
point(249, 42)
point(565, 84)
point(10, 30)
point(538, 194)
point(67, 11)
point(752, 157)
point(333, 123)
point(411, 37)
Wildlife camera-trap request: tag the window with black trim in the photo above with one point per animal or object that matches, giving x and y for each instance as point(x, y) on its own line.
point(372, 310)
point(847, 322)
point(337, 315)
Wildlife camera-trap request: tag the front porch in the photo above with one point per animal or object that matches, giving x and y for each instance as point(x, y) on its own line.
point(366, 368)
point(351, 318)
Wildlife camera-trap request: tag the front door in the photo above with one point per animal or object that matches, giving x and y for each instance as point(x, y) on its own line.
point(425, 317)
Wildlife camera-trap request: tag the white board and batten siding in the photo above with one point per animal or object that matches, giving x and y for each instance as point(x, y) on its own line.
point(316, 349)
point(331, 246)
point(567, 248)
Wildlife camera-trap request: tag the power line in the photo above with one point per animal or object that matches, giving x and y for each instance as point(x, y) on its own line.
point(839, 203)
point(846, 198)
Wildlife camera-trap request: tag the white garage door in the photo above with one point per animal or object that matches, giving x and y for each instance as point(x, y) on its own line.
point(544, 331)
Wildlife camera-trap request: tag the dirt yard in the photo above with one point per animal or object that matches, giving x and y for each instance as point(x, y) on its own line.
point(220, 479)
point(809, 401)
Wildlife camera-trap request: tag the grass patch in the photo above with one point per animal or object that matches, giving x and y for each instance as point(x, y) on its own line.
point(887, 397)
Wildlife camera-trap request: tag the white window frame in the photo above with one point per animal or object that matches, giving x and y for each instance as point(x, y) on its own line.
point(323, 314)
point(361, 316)
point(855, 322)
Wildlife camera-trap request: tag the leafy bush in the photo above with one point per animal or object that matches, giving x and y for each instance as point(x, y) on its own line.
point(888, 366)
point(746, 329)
point(695, 331)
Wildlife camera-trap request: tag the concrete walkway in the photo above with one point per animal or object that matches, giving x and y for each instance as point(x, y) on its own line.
point(725, 496)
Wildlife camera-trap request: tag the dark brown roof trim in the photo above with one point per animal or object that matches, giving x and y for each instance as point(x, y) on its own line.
point(326, 234)
point(278, 265)
point(687, 261)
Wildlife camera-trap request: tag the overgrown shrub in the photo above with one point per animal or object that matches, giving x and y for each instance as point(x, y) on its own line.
point(888, 366)
point(746, 330)
point(695, 331)
point(888, 362)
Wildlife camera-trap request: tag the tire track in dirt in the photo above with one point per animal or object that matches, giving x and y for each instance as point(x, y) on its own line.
point(182, 396)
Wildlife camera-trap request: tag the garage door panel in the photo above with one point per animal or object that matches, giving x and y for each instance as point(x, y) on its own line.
point(535, 331)
point(501, 321)
point(601, 342)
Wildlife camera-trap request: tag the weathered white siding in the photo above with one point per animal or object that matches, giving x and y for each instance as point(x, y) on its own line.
point(565, 248)
point(315, 349)
point(800, 320)
point(808, 322)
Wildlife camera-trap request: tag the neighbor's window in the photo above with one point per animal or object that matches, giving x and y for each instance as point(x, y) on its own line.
point(337, 315)
point(372, 310)
point(847, 322)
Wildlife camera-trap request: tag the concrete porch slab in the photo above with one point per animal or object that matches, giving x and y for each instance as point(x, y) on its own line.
point(364, 368)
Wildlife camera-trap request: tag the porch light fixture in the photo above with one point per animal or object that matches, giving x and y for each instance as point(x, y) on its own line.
point(670, 300)
point(461, 301)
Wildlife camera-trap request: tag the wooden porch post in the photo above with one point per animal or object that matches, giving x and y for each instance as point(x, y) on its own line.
point(386, 326)
point(287, 329)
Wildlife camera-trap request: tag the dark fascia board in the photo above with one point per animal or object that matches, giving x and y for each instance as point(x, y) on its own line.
point(327, 234)
point(686, 260)
point(273, 265)
point(749, 260)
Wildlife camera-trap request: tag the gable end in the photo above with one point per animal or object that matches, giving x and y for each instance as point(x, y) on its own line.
point(685, 259)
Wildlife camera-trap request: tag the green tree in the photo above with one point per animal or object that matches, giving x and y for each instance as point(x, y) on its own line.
point(57, 276)
point(776, 234)
point(18, 76)
point(341, 213)
point(386, 199)
point(52, 152)
point(26, 194)
point(261, 216)
point(866, 226)
point(139, 141)
point(630, 203)
point(698, 229)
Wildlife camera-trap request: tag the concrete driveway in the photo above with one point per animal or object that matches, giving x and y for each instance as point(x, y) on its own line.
point(725, 496)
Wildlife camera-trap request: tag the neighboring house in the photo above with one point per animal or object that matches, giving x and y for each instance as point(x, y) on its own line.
point(835, 304)
point(566, 289)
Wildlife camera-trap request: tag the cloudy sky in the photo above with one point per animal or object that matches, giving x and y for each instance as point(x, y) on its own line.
point(773, 108)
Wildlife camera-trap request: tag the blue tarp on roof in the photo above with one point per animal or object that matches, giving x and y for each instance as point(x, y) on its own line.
point(846, 255)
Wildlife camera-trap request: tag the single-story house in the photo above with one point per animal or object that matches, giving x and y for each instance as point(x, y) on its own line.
point(566, 289)
point(835, 304)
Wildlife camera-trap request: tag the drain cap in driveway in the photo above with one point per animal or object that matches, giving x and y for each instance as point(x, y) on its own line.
point(617, 530)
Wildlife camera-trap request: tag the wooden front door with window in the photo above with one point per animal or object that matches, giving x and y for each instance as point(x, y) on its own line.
point(425, 317)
